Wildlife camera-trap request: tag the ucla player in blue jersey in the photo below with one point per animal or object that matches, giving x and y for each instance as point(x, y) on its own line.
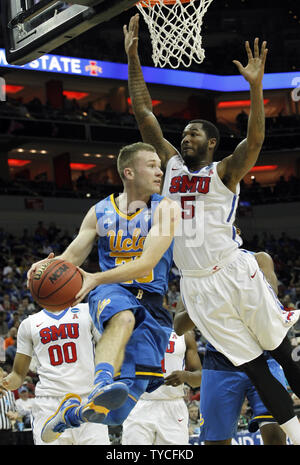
point(225, 386)
point(135, 233)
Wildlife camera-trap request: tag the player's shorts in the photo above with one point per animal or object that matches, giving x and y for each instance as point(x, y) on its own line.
point(157, 422)
point(235, 308)
point(147, 345)
point(222, 393)
point(87, 433)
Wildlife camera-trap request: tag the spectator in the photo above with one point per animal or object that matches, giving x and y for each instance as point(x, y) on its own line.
point(3, 324)
point(8, 418)
point(41, 232)
point(24, 406)
point(173, 296)
point(10, 352)
point(29, 307)
point(11, 337)
point(82, 182)
point(8, 268)
point(194, 420)
point(14, 320)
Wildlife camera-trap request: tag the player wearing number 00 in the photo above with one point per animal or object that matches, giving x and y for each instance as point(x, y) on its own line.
point(135, 232)
point(224, 292)
point(61, 345)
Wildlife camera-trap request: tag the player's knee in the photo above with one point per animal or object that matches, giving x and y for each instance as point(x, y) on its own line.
point(125, 319)
point(256, 369)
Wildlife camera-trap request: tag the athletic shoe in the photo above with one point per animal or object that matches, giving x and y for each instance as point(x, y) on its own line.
point(102, 400)
point(55, 425)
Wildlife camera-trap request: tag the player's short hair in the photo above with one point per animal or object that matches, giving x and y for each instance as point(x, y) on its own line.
point(211, 131)
point(127, 155)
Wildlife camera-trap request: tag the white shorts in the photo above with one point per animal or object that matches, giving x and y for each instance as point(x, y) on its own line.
point(86, 434)
point(157, 422)
point(236, 309)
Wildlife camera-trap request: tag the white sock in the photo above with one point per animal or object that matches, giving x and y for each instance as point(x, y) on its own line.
point(292, 430)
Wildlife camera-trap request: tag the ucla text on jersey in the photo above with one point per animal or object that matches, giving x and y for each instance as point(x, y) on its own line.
point(122, 237)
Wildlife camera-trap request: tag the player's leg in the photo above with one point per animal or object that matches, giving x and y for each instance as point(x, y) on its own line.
point(171, 422)
point(139, 426)
point(222, 394)
point(111, 347)
point(274, 396)
point(43, 407)
point(136, 387)
point(288, 357)
point(261, 419)
point(109, 355)
point(110, 310)
point(91, 434)
point(272, 434)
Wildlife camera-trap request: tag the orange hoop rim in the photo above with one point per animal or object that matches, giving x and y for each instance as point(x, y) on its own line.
point(157, 2)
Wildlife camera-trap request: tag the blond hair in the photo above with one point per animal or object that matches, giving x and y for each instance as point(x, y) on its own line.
point(127, 155)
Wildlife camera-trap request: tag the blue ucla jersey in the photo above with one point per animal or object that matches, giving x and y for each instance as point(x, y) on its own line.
point(122, 237)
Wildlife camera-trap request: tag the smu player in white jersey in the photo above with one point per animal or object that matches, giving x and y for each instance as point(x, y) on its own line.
point(62, 344)
point(223, 289)
point(161, 417)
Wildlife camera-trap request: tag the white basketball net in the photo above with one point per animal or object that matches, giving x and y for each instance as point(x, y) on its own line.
point(175, 31)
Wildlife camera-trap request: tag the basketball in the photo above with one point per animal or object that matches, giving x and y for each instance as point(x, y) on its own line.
point(55, 284)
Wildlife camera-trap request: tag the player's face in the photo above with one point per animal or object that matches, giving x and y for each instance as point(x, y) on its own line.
point(194, 143)
point(193, 413)
point(148, 173)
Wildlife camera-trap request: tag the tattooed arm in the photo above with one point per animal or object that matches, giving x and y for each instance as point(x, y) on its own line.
point(141, 100)
point(233, 168)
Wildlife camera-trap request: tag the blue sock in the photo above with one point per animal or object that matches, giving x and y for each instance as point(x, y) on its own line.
point(73, 417)
point(104, 372)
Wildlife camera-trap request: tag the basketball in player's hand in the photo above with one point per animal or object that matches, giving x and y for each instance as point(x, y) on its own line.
point(55, 284)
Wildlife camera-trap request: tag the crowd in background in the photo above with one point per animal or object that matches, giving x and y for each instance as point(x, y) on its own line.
point(16, 303)
point(71, 110)
point(33, 113)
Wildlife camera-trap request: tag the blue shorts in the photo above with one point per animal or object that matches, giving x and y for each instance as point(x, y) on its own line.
point(222, 393)
point(146, 347)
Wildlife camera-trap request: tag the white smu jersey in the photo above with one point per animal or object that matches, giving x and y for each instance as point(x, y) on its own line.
point(206, 235)
point(174, 360)
point(62, 344)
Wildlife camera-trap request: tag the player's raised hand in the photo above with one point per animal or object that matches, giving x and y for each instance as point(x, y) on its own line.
point(36, 265)
point(131, 35)
point(253, 72)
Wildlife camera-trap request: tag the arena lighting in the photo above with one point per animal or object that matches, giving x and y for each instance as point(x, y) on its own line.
point(264, 168)
point(17, 163)
point(81, 166)
point(238, 103)
point(154, 102)
point(10, 89)
point(109, 70)
point(74, 95)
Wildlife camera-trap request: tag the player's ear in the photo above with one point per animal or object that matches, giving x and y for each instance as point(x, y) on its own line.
point(128, 173)
point(212, 143)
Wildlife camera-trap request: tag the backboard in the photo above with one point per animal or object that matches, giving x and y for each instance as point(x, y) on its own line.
point(32, 28)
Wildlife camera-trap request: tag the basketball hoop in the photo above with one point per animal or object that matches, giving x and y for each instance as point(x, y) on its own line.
point(175, 30)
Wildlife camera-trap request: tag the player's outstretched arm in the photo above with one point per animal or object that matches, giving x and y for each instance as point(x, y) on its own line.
point(80, 247)
point(141, 100)
point(193, 369)
point(233, 168)
point(166, 220)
